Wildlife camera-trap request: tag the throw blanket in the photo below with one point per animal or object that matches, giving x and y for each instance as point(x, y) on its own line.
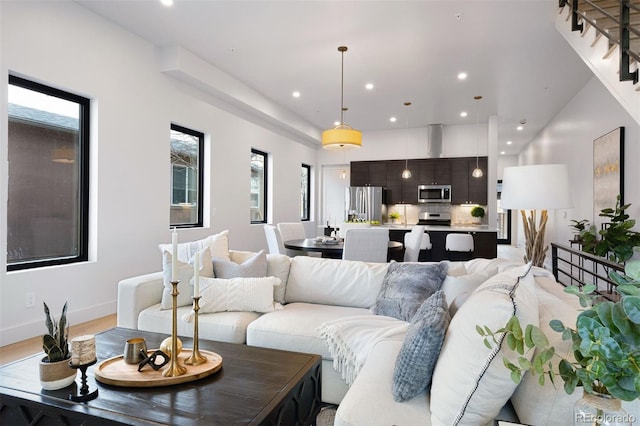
point(350, 340)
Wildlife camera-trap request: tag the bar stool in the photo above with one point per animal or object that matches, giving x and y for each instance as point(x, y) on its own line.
point(459, 246)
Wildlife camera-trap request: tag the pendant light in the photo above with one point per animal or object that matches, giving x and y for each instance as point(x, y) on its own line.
point(406, 173)
point(343, 172)
point(342, 136)
point(477, 172)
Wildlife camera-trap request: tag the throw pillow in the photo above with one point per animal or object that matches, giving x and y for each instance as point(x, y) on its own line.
point(421, 348)
point(238, 294)
point(470, 382)
point(455, 286)
point(185, 275)
point(405, 286)
point(218, 245)
point(255, 266)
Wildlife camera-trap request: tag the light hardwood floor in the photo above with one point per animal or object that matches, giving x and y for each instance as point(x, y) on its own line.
point(32, 346)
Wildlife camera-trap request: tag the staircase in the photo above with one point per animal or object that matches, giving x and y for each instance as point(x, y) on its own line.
point(606, 35)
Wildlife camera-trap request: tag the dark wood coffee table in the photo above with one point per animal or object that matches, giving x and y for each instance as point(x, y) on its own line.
point(255, 386)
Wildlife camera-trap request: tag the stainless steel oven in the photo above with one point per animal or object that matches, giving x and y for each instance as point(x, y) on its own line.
point(434, 193)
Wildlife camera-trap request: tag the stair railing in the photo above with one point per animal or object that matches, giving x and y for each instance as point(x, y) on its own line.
point(624, 34)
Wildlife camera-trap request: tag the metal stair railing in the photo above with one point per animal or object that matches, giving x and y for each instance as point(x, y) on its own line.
point(626, 29)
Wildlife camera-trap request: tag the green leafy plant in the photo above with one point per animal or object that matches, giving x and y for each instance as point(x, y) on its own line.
point(579, 225)
point(477, 211)
point(605, 342)
point(616, 240)
point(55, 343)
point(394, 215)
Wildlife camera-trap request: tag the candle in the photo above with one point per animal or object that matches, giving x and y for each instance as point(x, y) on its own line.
point(83, 349)
point(196, 274)
point(174, 255)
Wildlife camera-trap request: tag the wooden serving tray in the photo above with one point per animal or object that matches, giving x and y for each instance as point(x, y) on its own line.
point(114, 371)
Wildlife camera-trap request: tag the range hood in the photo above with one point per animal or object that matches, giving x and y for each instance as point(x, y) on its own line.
point(434, 142)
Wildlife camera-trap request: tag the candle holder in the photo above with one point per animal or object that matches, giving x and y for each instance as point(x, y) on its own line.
point(196, 357)
point(175, 369)
point(85, 395)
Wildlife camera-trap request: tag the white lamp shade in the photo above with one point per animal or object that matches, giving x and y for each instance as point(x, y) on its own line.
point(538, 187)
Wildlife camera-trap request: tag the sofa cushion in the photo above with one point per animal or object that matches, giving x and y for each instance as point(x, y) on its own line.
point(222, 326)
point(453, 286)
point(185, 275)
point(334, 281)
point(218, 245)
point(406, 286)
point(238, 294)
point(470, 381)
point(295, 328)
point(254, 266)
point(278, 266)
point(421, 348)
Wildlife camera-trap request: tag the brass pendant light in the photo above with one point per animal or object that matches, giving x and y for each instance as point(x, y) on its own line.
point(477, 172)
point(342, 136)
point(406, 173)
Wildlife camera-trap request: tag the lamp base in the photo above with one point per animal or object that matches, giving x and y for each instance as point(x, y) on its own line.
point(535, 249)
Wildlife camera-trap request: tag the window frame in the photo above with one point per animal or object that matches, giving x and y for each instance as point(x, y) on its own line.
point(83, 186)
point(265, 187)
point(200, 179)
point(307, 202)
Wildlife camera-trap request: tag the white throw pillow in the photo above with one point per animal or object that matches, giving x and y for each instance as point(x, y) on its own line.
point(218, 245)
point(470, 381)
point(185, 275)
point(254, 266)
point(238, 294)
point(454, 286)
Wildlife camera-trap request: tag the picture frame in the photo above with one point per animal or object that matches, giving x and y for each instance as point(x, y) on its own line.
point(608, 172)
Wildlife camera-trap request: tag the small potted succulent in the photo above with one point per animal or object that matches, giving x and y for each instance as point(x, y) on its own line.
point(394, 216)
point(55, 372)
point(578, 226)
point(477, 213)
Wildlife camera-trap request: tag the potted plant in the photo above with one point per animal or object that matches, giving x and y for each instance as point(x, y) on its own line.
point(605, 344)
point(55, 372)
point(394, 216)
point(478, 213)
point(616, 240)
point(578, 226)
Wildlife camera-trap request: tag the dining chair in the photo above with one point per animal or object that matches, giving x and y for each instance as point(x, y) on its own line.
point(415, 241)
point(292, 231)
point(368, 245)
point(459, 246)
point(274, 241)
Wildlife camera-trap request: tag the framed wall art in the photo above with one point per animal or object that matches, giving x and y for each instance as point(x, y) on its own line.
point(608, 172)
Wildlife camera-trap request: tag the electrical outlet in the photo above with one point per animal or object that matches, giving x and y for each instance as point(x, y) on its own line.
point(31, 300)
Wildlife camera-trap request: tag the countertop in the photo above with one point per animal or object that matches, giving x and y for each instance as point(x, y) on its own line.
point(443, 228)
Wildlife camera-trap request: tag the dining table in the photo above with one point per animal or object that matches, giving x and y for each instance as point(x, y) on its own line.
point(332, 248)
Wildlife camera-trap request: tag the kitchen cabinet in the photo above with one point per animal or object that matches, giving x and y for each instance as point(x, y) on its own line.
point(399, 190)
point(465, 189)
point(434, 171)
point(368, 173)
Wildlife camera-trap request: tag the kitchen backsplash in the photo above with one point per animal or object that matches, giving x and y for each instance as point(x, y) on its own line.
point(460, 214)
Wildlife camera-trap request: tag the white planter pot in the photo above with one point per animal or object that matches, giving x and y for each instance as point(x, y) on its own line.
point(56, 375)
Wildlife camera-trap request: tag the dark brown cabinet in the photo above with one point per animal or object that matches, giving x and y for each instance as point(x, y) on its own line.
point(399, 190)
point(368, 173)
point(465, 189)
point(434, 171)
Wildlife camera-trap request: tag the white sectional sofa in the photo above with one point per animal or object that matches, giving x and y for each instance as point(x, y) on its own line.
point(314, 291)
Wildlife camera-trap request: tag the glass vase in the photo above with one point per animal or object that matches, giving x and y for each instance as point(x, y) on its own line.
point(595, 409)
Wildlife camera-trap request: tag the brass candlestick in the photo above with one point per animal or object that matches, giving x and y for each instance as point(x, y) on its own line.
point(196, 357)
point(175, 369)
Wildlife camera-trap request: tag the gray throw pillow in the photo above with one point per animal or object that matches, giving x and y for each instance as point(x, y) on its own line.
point(421, 348)
point(253, 267)
point(405, 286)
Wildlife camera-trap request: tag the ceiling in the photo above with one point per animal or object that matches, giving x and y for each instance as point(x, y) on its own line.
point(409, 50)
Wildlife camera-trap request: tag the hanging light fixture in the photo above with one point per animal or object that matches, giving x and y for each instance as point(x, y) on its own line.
point(477, 172)
point(342, 136)
point(343, 172)
point(406, 173)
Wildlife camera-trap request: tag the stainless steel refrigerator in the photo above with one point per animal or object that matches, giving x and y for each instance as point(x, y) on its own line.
point(363, 203)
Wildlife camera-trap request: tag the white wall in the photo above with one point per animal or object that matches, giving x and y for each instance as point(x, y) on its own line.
point(568, 139)
point(133, 104)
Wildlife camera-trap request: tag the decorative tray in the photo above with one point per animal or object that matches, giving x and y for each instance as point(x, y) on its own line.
point(114, 371)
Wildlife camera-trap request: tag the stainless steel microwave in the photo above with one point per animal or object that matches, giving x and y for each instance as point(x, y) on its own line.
point(434, 193)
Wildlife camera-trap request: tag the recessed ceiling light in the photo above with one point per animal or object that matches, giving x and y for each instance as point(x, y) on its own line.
point(501, 152)
point(167, 2)
point(369, 86)
point(509, 142)
point(393, 119)
point(519, 128)
point(462, 76)
point(296, 94)
point(463, 114)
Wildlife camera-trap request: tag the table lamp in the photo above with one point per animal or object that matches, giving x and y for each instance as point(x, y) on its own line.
point(538, 187)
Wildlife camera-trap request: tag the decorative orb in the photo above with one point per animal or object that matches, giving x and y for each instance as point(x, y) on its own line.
point(165, 346)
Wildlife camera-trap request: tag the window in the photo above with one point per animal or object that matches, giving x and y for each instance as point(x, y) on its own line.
point(258, 200)
point(48, 201)
point(305, 192)
point(187, 148)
